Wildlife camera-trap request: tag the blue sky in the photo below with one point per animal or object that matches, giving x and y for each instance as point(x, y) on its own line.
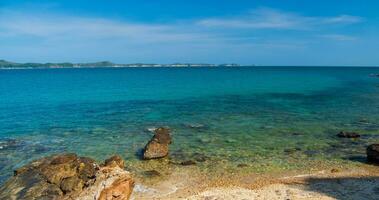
point(266, 32)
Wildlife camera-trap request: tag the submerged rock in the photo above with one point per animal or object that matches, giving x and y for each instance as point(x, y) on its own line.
point(67, 176)
point(188, 162)
point(242, 165)
point(345, 134)
point(373, 153)
point(151, 173)
point(157, 147)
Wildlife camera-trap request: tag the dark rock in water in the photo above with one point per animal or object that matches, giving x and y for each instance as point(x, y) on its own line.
point(188, 162)
point(151, 173)
point(242, 165)
point(311, 153)
point(115, 161)
point(373, 153)
point(344, 134)
point(66, 176)
point(292, 150)
point(157, 147)
point(200, 157)
point(196, 126)
point(10, 144)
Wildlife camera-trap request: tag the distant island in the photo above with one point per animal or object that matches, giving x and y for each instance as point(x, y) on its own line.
point(13, 65)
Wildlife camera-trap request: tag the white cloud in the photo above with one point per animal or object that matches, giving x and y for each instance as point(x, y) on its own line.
point(59, 27)
point(265, 18)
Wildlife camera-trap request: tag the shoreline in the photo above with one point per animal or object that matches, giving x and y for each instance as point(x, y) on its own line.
point(284, 185)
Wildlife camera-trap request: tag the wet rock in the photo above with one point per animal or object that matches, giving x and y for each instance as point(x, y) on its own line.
point(115, 161)
point(66, 176)
point(242, 165)
point(157, 147)
point(196, 126)
point(200, 157)
point(292, 150)
point(372, 152)
point(188, 162)
point(151, 173)
point(345, 134)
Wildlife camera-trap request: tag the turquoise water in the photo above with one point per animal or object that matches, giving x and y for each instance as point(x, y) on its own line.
point(277, 117)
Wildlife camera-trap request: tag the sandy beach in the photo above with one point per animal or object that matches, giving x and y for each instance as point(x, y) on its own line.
point(360, 182)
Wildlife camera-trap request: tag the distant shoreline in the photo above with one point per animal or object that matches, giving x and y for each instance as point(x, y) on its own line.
point(104, 64)
point(6, 65)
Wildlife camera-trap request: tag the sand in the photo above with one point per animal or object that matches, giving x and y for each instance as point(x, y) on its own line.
point(356, 183)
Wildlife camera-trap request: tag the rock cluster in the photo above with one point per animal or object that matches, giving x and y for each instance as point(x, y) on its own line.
point(157, 147)
point(373, 153)
point(345, 134)
point(68, 176)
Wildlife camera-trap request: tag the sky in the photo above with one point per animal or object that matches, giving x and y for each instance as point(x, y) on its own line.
point(260, 32)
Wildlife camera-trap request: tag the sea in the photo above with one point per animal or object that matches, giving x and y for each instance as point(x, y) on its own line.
point(262, 118)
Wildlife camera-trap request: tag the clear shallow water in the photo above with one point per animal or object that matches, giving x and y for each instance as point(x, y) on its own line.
point(265, 117)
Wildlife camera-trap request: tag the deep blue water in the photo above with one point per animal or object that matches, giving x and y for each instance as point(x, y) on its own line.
point(234, 114)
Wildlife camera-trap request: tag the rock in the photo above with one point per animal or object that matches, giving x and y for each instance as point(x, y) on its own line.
point(200, 157)
point(68, 176)
point(188, 162)
point(72, 184)
point(151, 173)
point(121, 189)
point(344, 134)
point(242, 165)
point(157, 147)
point(115, 161)
point(292, 150)
point(373, 153)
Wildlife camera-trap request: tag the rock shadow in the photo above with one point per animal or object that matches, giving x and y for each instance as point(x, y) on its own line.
point(344, 188)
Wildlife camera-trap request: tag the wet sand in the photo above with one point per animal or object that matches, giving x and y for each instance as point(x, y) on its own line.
point(357, 182)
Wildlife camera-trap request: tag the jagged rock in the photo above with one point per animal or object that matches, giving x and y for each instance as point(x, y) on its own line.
point(121, 189)
point(66, 176)
point(157, 147)
point(373, 153)
point(344, 134)
point(115, 161)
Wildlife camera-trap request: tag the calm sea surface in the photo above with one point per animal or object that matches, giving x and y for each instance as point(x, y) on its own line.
point(277, 118)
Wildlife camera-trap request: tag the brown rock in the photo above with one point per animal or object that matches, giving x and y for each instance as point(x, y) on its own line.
point(242, 165)
point(87, 168)
point(344, 134)
point(63, 158)
point(72, 184)
point(157, 147)
point(121, 189)
point(56, 173)
point(67, 176)
point(373, 153)
point(115, 161)
point(188, 162)
point(162, 135)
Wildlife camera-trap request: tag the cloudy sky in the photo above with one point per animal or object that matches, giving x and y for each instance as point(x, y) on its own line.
point(261, 32)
